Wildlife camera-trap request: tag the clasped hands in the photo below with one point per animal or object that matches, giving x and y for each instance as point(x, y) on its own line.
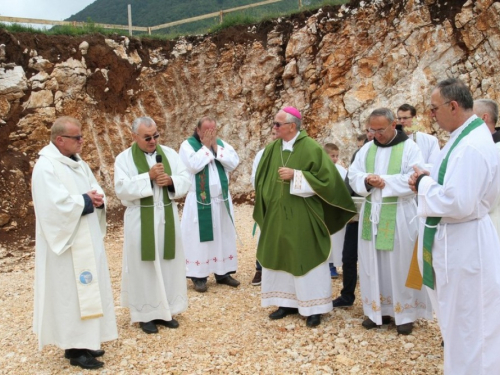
point(375, 181)
point(412, 182)
point(158, 175)
point(97, 199)
point(286, 174)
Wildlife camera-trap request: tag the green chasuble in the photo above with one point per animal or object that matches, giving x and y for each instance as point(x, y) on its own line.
point(295, 231)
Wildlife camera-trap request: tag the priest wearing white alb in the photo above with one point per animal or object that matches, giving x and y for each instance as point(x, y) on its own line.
point(387, 231)
point(461, 249)
point(149, 178)
point(73, 299)
point(208, 218)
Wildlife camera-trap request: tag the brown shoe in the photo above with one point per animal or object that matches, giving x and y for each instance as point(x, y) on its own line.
point(405, 329)
point(257, 279)
point(229, 281)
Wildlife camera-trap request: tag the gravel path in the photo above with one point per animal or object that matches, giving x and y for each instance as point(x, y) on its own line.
point(224, 331)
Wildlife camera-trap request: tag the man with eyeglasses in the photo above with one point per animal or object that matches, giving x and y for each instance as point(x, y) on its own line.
point(387, 231)
point(461, 257)
point(74, 307)
point(149, 177)
point(428, 144)
point(207, 222)
point(300, 199)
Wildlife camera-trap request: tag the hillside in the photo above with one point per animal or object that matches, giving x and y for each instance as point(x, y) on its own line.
point(156, 12)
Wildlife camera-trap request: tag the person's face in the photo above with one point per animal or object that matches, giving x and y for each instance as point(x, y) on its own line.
point(441, 111)
point(205, 125)
point(382, 129)
point(146, 138)
point(334, 155)
point(71, 142)
point(360, 143)
point(405, 118)
point(284, 130)
point(273, 134)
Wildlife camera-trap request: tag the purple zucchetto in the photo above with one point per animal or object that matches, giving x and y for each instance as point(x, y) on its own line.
point(293, 111)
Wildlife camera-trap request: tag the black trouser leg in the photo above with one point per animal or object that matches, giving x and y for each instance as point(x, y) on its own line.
point(350, 262)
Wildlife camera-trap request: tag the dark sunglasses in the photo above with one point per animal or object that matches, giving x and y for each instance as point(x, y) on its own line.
point(278, 124)
point(75, 137)
point(155, 137)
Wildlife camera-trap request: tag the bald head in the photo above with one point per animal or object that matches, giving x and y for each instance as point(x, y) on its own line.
point(60, 125)
point(487, 109)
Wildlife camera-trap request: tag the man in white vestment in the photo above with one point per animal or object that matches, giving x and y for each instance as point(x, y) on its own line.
point(73, 299)
point(148, 178)
point(207, 223)
point(387, 233)
point(300, 199)
point(461, 257)
point(487, 110)
point(428, 144)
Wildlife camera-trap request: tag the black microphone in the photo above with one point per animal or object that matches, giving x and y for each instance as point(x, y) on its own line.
point(158, 158)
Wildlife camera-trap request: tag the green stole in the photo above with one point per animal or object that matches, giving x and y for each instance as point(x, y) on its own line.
point(432, 222)
point(387, 223)
point(147, 211)
point(202, 180)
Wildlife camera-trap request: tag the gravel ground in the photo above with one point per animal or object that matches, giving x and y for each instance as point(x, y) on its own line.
point(224, 331)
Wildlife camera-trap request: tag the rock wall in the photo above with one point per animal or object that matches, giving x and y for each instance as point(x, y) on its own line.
point(336, 65)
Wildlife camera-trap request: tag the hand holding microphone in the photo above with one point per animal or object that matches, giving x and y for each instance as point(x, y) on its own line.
point(161, 178)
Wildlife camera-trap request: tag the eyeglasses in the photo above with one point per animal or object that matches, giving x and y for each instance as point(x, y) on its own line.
point(278, 124)
point(155, 137)
point(378, 131)
point(434, 109)
point(404, 118)
point(75, 137)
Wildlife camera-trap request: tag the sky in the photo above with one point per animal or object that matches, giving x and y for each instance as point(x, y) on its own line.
point(54, 10)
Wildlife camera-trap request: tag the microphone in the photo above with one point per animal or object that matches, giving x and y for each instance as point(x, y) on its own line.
point(158, 158)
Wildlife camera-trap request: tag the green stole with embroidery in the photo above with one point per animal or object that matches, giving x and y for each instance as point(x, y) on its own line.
point(202, 180)
point(147, 211)
point(387, 223)
point(432, 222)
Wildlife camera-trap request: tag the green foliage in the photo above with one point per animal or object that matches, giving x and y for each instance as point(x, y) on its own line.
point(158, 12)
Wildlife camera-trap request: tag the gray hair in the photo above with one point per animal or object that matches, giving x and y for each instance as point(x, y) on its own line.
point(146, 121)
point(382, 112)
point(291, 118)
point(489, 106)
point(453, 89)
point(59, 126)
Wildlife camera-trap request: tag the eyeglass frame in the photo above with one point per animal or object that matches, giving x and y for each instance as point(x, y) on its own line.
point(378, 131)
point(149, 137)
point(280, 124)
point(75, 137)
point(434, 109)
point(404, 118)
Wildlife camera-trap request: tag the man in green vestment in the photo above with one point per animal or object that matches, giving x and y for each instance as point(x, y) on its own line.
point(300, 200)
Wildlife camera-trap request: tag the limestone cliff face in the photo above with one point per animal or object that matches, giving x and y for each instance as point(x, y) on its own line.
point(335, 66)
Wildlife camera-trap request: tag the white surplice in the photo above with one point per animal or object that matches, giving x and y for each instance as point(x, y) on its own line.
point(383, 273)
point(151, 289)
point(58, 213)
point(338, 237)
point(466, 252)
point(429, 147)
point(495, 210)
point(218, 256)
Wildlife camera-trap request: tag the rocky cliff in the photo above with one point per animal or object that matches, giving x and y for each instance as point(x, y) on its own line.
point(336, 65)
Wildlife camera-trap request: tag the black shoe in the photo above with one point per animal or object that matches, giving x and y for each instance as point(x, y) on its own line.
point(405, 329)
point(369, 324)
point(257, 279)
point(386, 319)
point(86, 361)
point(282, 312)
point(167, 323)
point(200, 285)
point(228, 280)
point(313, 320)
point(341, 302)
point(148, 327)
point(73, 353)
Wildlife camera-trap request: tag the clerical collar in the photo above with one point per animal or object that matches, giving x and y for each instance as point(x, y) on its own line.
point(400, 137)
point(289, 145)
point(150, 153)
point(73, 157)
